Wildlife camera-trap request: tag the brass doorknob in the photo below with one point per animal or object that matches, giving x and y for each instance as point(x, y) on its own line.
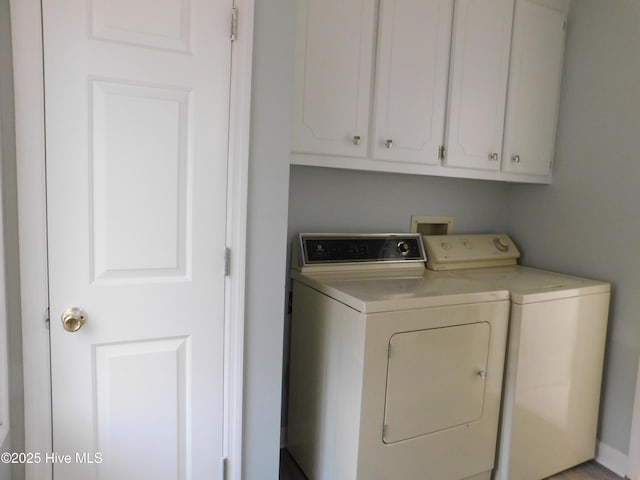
point(73, 319)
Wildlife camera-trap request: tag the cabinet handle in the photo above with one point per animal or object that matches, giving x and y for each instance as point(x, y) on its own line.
point(494, 156)
point(515, 158)
point(356, 139)
point(388, 143)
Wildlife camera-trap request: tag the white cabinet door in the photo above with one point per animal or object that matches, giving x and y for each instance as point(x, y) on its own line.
point(534, 86)
point(411, 79)
point(334, 55)
point(137, 115)
point(478, 83)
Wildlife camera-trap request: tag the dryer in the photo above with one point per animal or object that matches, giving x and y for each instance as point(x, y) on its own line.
point(555, 354)
point(395, 371)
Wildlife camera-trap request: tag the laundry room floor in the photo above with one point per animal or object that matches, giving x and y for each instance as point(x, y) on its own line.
point(587, 471)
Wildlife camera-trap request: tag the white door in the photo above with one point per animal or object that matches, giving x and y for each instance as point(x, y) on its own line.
point(137, 105)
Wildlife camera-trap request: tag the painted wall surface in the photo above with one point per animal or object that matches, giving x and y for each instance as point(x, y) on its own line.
point(10, 225)
point(5, 441)
point(272, 84)
point(332, 200)
point(588, 221)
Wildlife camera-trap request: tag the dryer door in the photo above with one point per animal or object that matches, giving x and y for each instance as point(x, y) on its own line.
point(435, 380)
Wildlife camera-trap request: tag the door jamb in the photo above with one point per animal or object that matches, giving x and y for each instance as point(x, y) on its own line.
point(26, 36)
point(26, 23)
point(237, 200)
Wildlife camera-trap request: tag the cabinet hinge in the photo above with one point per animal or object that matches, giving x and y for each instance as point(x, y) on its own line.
point(442, 152)
point(47, 317)
point(227, 261)
point(389, 351)
point(234, 24)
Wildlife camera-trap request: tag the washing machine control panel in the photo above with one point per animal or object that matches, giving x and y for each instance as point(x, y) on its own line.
point(449, 252)
point(367, 248)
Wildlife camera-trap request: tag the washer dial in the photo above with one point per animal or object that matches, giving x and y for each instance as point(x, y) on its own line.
point(501, 244)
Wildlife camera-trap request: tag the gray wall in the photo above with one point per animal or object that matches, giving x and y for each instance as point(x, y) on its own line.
point(588, 221)
point(10, 211)
point(267, 227)
point(331, 200)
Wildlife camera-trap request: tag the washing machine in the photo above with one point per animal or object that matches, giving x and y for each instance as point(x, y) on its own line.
point(396, 371)
point(555, 354)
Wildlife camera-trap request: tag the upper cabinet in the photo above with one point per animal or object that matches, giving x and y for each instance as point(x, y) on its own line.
point(333, 76)
point(414, 38)
point(478, 92)
point(462, 88)
point(537, 53)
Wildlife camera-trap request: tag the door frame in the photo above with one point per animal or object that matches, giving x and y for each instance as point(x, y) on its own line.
point(26, 25)
point(5, 420)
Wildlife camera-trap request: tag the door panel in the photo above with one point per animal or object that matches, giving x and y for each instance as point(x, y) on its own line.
point(141, 392)
point(137, 106)
point(139, 226)
point(169, 27)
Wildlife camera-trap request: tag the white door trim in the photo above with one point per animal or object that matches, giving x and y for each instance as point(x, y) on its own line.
point(30, 152)
point(29, 125)
point(5, 421)
point(239, 130)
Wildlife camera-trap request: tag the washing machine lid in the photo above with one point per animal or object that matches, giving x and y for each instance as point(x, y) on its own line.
point(491, 259)
point(530, 285)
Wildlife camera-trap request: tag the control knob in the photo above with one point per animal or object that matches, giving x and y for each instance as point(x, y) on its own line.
point(403, 248)
point(501, 244)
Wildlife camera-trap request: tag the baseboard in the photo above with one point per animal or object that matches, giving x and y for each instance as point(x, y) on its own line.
point(612, 459)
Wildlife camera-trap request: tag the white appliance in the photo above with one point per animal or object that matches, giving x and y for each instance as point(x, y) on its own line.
point(395, 371)
point(555, 354)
